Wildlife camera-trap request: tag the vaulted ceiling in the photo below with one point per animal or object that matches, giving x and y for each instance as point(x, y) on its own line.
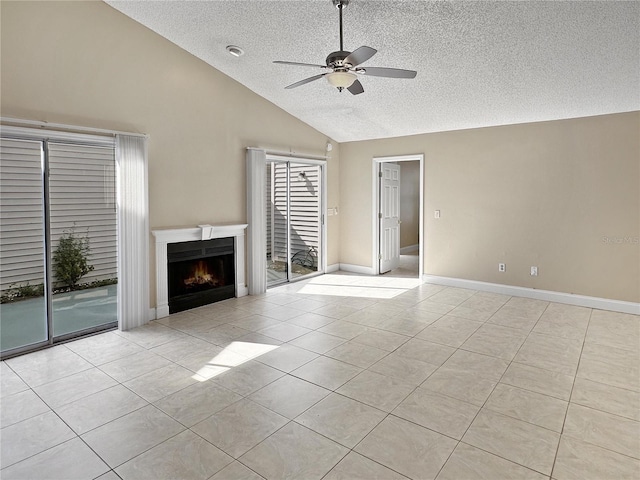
point(479, 63)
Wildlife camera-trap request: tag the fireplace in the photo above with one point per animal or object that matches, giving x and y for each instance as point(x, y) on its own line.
point(209, 261)
point(200, 273)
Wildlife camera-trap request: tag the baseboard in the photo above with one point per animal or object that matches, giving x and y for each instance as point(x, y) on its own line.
point(162, 312)
point(332, 268)
point(151, 315)
point(242, 292)
point(409, 249)
point(546, 295)
point(347, 267)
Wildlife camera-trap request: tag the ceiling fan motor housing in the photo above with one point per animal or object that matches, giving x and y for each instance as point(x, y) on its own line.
point(335, 59)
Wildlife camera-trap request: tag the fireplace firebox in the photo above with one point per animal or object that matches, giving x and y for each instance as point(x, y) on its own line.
point(200, 272)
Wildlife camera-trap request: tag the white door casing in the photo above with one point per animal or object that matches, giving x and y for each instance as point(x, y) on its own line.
point(375, 202)
point(390, 217)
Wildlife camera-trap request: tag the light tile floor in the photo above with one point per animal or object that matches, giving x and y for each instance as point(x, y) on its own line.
point(337, 377)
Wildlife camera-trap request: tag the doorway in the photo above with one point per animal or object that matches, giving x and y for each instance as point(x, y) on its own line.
point(397, 235)
point(295, 219)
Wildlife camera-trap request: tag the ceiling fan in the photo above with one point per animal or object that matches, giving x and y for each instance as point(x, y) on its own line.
point(344, 66)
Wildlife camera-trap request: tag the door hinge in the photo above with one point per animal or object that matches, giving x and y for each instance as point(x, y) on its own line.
point(380, 215)
point(323, 219)
point(379, 256)
point(380, 174)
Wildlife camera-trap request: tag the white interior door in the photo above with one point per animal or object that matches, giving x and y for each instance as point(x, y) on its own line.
point(389, 217)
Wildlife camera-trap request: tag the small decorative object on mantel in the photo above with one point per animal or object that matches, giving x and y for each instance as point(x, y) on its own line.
point(207, 231)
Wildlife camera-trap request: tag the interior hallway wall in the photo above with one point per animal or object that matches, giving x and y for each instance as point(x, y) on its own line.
point(409, 203)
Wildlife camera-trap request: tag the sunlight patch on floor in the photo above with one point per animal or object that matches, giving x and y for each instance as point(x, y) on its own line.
point(359, 286)
point(350, 291)
point(234, 354)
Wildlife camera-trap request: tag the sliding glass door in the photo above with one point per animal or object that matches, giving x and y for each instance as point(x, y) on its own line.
point(294, 220)
point(58, 242)
point(305, 226)
point(82, 206)
point(23, 309)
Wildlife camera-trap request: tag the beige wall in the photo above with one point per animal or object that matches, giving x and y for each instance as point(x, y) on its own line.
point(84, 63)
point(546, 194)
point(409, 203)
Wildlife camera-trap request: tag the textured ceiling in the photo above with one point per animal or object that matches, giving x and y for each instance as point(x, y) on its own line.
point(479, 63)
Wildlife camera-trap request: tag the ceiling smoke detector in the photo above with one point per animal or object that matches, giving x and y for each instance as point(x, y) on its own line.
point(235, 51)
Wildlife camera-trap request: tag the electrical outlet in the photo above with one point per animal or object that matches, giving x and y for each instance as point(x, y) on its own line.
point(436, 214)
point(502, 267)
point(534, 271)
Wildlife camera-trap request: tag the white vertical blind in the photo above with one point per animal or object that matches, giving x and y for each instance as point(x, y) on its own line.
point(133, 231)
point(256, 218)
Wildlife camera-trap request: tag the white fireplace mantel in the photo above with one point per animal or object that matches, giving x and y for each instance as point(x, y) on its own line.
point(164, 236)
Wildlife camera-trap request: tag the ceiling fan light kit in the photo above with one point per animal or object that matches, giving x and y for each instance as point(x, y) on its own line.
point(344, 65)
point(341, 79)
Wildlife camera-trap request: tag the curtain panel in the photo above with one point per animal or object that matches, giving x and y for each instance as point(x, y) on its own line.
point(133, 231)
point(257, 220)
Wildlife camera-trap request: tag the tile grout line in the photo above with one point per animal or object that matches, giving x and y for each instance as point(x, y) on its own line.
point(584, 340)
point(485, 402)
